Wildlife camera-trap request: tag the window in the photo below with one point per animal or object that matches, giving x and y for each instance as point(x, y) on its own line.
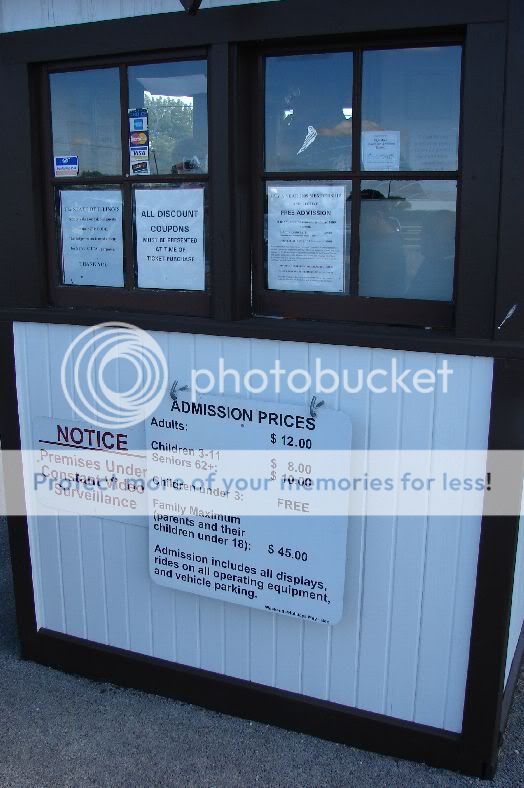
point(128, 185)
point(342, 182)
point(358, 185)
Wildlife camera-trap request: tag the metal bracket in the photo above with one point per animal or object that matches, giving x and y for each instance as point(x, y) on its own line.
point(175, 390)
point(315, 406)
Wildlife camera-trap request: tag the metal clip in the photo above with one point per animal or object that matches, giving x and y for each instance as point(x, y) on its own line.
point(315, 406)
point(175, 390)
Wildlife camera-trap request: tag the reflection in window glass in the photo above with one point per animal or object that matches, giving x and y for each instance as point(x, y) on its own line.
point(407, 239)
point(85, 111)
point(175, 96)
point(414, 93)
point(309, 112)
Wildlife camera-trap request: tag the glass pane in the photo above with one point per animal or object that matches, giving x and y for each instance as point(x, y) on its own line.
point(91, 236)
point(412, 96)
point(308, 112)
point(175, 97)
point(85, 111)
point(407, 239)
point(171, 236)
point(307, 234)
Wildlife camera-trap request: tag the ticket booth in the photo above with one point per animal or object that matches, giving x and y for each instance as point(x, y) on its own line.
point(258, 186)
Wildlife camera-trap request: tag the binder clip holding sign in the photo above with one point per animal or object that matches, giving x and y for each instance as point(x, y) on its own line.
point(138, 142)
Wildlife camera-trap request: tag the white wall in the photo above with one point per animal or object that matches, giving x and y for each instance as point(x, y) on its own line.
point(402, 645)
point(29, 14)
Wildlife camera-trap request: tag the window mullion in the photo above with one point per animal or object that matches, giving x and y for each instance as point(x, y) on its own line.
point(220, 182)
point(355, 190)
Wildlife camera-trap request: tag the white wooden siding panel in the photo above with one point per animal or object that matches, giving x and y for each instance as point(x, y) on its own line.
point(32, 14)
point(116, 583)
point(384, 433)
point(416, 432)
point(236, 355)
point(450, 427)
point(290, 637)
point(402, 644)
point(139, 590)
point(478, 412)
point(317, 641)
point(94, 580)
point(345, 644)
point(211, 611)
point(263, 625)
point(186, 607)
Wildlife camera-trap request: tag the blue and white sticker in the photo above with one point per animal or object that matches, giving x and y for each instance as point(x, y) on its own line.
point(66, 166)
point(137, 119)
point(139, 153)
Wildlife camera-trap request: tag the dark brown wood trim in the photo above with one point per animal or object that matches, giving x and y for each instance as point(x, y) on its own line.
point(318, 306)
point(247, 700)
point(298, 21)
point(220, 188)
point(242, 136)
point(264, 21)
point(14, 490)
point(510, 284)
point(325, 332)
point(481, 150)
point(511, 684)
point(179, 302)
point(22, 269)
point(495, 572)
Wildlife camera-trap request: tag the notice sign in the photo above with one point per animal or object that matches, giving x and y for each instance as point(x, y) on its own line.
point(170, 238)
point(381, 150)
point(205, 459)
point(306, 238)
point(92, 249)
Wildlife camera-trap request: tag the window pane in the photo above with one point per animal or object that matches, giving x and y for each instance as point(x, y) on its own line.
point(407, 239)
point(175, 97)
point(414, 94)
point(85, 111)
point(91, 236)
point(308, 112)
point(308, 236)
point(170, 236)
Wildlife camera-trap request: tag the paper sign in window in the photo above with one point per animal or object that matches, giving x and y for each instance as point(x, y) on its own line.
point(170, 238)
point(92, 248)
point(306, 238)
point(381, 150)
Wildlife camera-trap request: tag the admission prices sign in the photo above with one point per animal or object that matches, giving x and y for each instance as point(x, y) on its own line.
point(205, 455)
